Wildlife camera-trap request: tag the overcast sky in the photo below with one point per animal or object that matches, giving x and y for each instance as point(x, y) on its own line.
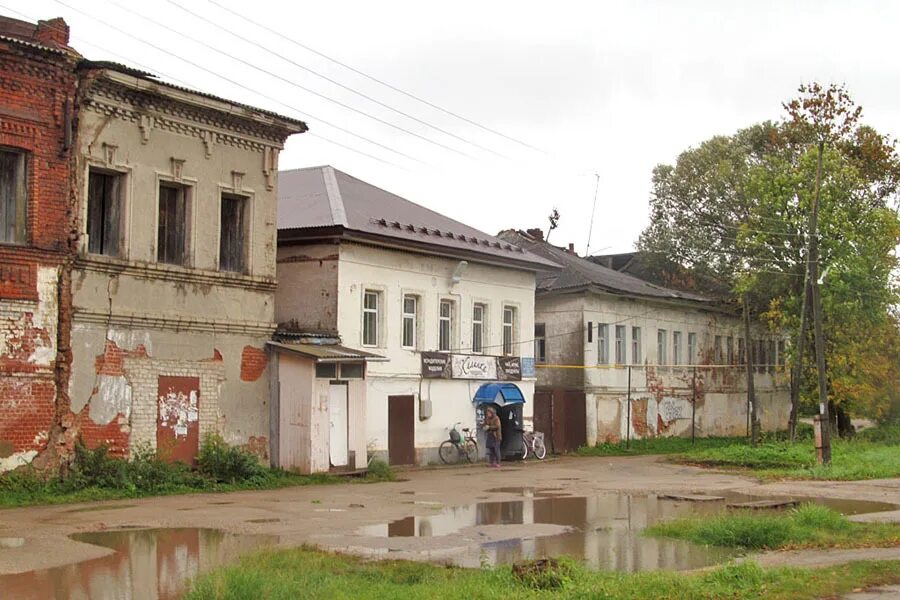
point(598, 87)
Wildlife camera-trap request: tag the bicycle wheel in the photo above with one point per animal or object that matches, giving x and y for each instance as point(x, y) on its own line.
point(449, 453)
point(524, 448)
point(471, 450)
point(538, 447)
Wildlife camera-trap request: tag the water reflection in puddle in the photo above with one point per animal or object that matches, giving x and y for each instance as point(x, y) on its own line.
point(604, 531)
point(147, 563)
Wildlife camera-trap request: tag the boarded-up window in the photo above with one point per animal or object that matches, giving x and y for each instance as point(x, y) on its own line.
point(326, 370)
point(353, 370)
point(104, 213)
point(172, 245)
point(13, 199)
point(233, 234)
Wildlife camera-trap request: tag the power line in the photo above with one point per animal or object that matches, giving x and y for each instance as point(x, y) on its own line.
point(329, 79)
point(287, 80)
point(372, 78)
point(305, 114)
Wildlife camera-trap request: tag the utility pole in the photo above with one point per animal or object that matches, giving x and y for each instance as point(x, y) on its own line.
point(797, 371)
point(823, 440)
point(751, 392)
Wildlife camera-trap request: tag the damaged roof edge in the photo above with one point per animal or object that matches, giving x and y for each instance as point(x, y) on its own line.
point(327, 353)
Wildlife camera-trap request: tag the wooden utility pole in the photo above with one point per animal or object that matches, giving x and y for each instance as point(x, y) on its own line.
point(751, 393)
point(824, 453)
point(797, 371)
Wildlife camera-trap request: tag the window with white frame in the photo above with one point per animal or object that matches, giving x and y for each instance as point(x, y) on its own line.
point(692, 348)
point(661, 354)
point(602, 344)
point(540, 343)
point(478, 312)
point(410, 311)
point(371, 317)
point(676, 347)
point(445, 326)
point(717, 350)
point(621, 359)
point(636, 346)
point(104, 212)
point(509, 330)
point(13, 197)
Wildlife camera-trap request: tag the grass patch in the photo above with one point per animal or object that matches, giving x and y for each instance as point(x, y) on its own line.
point(872, 454)
point(95, 475)
point(808, 526)
point(307, 573)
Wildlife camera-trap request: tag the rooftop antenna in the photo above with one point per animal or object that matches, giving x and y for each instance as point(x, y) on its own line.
point(587, 251)
point(554, 223)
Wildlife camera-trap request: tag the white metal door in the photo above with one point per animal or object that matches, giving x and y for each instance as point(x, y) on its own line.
point(337, 412)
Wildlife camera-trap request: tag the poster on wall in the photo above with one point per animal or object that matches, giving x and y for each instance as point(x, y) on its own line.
point(440, 365)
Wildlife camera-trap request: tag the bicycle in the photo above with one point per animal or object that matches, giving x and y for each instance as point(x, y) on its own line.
point(533, 441)
point(458, 446)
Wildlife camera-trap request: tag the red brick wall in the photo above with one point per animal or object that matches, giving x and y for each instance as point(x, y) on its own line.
point(253, 363)
point(37, 93)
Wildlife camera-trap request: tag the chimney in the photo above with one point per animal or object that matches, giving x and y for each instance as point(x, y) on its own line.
point(54, 32)
point(537, 233)
point(571, 248)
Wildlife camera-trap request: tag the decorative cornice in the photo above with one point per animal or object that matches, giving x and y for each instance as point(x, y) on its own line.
point(148, 270)
point(190, 324)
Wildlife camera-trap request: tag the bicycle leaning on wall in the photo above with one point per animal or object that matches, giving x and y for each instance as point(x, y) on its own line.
point(459, 446)
point(533, 443)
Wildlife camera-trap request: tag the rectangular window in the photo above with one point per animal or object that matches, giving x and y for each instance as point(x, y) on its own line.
point(770, 354)
point(13, 198)
point(621, 359)
point(729, 350)
point(371, 307)
point(692, 348)
point(636, 346)
point(104, 213)
point(326, 370)
point(661, 354)
point(445, 325)
point(540, 343)
point(742, 352)
point(782, 354)
point(478, 312)
point(172, 247)
point(352, 370)
point(676, 347)
point(602, 344)
point(509, 325)
point(233, 234)
point(760, 356)
point(410, 306)
point(717, 350)
point(590, 332)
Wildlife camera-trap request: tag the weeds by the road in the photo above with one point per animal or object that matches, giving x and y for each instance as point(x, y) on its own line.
point(307, 573)
point(95, 475)
point(809, 526)
point(872, 454)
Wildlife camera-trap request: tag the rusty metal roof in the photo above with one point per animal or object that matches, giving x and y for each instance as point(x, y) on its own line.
point(327, 353)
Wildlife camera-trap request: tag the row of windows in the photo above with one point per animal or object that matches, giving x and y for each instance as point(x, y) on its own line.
point(764, 353)
point(447, 317)
point(105, 214)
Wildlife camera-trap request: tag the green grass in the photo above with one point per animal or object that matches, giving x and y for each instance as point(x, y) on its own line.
point(307, 573)
point(873, 454)
point(808, 526)
point(95, 476)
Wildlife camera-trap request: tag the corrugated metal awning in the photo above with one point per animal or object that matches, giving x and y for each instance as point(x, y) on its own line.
point(328, 353)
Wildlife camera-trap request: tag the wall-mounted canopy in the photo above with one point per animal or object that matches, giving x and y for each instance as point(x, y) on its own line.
point(499, 393)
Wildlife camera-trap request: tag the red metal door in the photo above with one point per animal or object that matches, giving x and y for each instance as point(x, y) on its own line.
point(178, 419)
point(543, 416)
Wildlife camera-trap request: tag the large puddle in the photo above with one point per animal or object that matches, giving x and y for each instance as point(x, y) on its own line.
point(151, 564)
point(604, 531)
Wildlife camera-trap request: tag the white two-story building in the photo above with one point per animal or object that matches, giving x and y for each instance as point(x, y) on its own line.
point(391, 316)
point(618, 357)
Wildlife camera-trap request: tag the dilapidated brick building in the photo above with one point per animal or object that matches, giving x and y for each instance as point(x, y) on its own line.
point(37, 92)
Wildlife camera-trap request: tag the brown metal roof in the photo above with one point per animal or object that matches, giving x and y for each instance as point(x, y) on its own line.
point(320, 197)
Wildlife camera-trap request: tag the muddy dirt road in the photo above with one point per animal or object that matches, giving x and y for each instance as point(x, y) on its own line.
point(334, 516)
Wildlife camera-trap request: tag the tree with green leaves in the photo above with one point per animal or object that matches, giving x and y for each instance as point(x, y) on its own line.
point(735, 210)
